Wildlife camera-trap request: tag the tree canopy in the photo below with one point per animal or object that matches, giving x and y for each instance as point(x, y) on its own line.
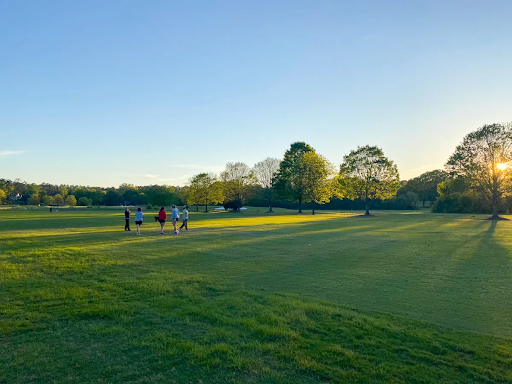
point(425, 185)
point(367, 174)
point(265, 173)
point(483, 160)
point(205, 189)
point(290, 178)
point(317, 178)
point(237, 179)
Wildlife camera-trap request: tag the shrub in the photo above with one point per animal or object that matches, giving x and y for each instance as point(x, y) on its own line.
point(149, 206)
point(233, 205)
point(84, 201)
point(34, 199)
point(70, 200)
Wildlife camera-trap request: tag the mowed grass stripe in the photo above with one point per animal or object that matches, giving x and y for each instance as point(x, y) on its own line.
point(255, 298)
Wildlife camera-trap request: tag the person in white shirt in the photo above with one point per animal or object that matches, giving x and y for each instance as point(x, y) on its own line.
point(175, 217)
point(185, 218)
point(139, 216)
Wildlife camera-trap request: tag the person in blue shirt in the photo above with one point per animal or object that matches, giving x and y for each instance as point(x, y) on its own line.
point(139, 216)
point(175, 216)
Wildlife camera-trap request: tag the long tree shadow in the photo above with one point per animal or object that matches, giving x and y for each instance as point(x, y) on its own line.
point(288, 262)
point(94, 237)
point(486, 278)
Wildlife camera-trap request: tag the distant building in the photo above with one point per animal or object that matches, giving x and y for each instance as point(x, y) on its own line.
point(15, 196)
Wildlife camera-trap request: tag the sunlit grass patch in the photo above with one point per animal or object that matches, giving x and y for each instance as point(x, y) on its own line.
point(252, 297)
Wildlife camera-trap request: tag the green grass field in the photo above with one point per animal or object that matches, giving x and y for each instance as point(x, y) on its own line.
point(255, 298)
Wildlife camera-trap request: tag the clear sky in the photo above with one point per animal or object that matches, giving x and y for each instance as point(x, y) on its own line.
point(144, 92)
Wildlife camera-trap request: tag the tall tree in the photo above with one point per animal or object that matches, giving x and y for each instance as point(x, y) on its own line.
point(265, 173)
point(63, 190)
point(483, 160)
point(34, 199)
point(290, 178)
point(237, 179)
point(70, 200)
point(425, 185)
point(205, 189)
point(317, 178)
point(48, 200)
point(367, 174)
point(58, 199)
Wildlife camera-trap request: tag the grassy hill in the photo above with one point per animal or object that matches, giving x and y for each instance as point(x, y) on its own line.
point(251, 297)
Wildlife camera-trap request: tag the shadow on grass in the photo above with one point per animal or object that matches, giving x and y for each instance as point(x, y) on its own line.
point(165, 327)
point(487, 275)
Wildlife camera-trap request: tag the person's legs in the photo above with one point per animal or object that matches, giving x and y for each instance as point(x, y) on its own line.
point(138, 229)
point(186, 224)
point(162, 225)
point(174, 225)
point(126, 224)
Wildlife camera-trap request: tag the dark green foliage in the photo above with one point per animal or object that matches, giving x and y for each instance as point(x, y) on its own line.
point(367, 174)
point(290, 177)
point(234, 205)
point(113, 198)
point(425, 185)
point(84, 201)
point(407, 200)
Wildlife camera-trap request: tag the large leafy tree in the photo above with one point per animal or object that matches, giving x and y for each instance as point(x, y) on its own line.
point(63, 190)
point(317, 178)
point(70, 200)
point(34, 199)
point(425, 185)
point(265, 173)
point(237, 180)
point(161, 195)
point(482, 159)
point(58, 199)
point(48, 200)
point(205, 189)
point(290, 178)
point(367, 174)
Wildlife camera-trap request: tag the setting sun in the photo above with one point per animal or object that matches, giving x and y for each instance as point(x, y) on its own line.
point(502, 167)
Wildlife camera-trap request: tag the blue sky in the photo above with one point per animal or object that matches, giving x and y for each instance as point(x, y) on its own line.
point(144, 92)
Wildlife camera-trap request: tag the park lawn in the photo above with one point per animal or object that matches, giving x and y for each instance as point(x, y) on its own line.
point(253, 297)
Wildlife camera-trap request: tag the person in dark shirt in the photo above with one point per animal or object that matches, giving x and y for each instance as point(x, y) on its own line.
point(127, 220)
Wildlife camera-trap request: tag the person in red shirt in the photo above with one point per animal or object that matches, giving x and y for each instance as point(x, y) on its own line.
point(162, 216)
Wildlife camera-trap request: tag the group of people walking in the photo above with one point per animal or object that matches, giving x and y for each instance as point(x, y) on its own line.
point(161, 218)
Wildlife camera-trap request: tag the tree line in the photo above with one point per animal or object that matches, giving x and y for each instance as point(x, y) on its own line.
point(477, 178)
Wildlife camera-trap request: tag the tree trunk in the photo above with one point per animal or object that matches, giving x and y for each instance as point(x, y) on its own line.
point(206, 210)
point(494, 198)
point(495, 206)
point(270, 201)
point(300, 204)
point(313, 208)
point(423, 203)
point(197, 208)
point(367, 206)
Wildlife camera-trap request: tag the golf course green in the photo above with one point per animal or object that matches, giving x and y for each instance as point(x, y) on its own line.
point(254, 297)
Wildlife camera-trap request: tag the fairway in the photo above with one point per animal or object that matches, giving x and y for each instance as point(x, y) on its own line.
point(255, 297)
